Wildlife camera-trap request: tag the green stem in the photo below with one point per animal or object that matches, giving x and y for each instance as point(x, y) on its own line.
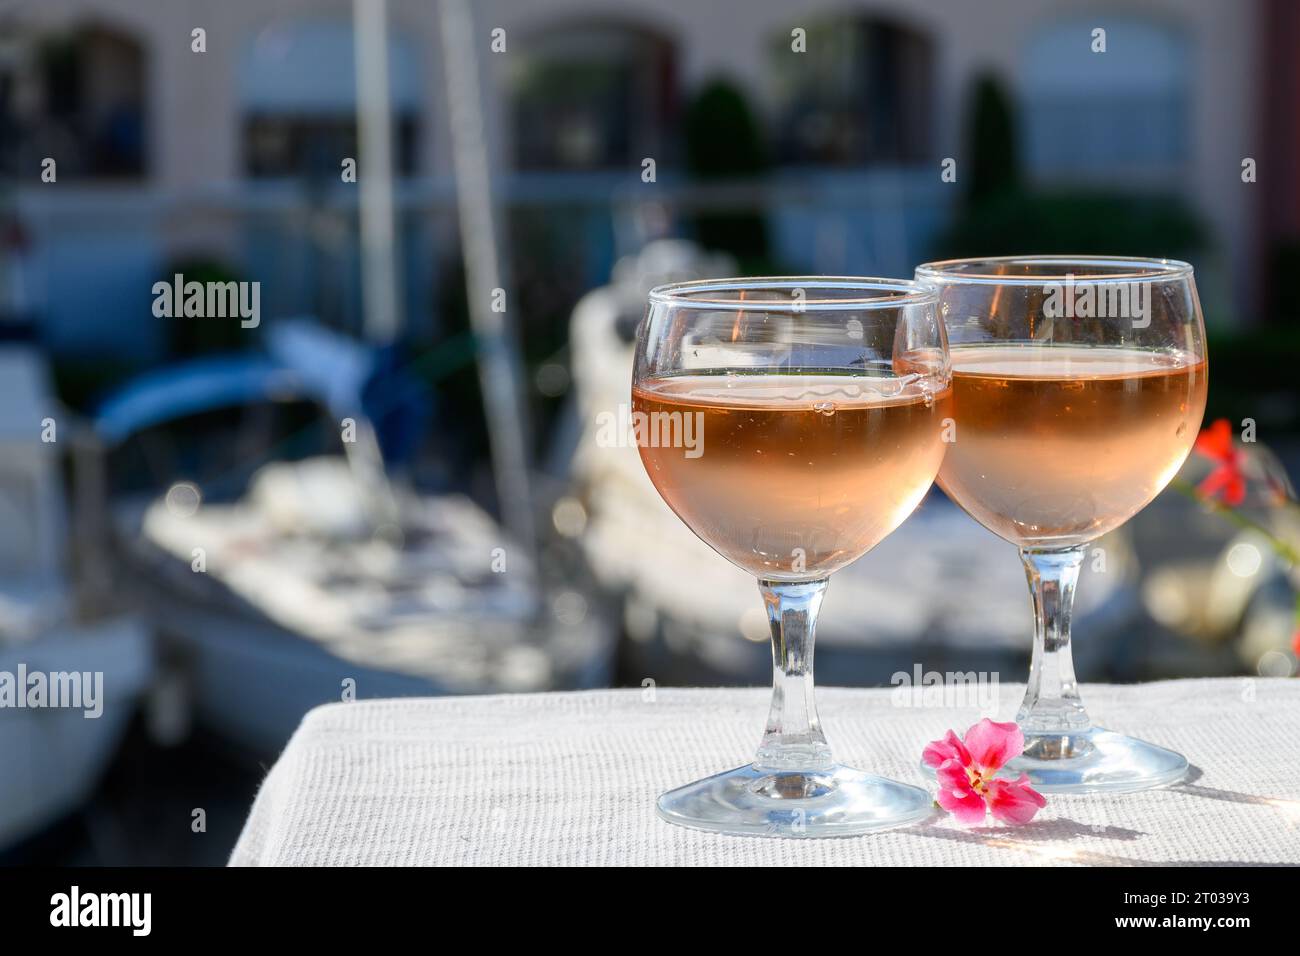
point(1282, 548)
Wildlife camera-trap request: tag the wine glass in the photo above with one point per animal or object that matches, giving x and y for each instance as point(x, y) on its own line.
point(1078, 389)
point(792, 423)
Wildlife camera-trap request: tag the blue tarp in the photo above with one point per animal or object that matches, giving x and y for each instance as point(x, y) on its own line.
point(193, 387)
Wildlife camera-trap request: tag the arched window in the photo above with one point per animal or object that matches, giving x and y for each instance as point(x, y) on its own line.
point(76, 96)
point(862, 93)
point(297, 94)
point(591, 95)
point(1107, 114)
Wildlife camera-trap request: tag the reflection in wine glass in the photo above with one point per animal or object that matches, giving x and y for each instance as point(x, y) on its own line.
point(1078, 388)
point(820, 406)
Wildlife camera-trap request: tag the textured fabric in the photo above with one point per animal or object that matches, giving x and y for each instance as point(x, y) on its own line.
point(572, 779)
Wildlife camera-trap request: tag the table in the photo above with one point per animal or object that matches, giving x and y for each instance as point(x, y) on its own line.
point(571, 778)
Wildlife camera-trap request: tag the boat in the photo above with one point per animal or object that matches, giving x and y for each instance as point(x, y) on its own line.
point(319, 579)
point(50, 632)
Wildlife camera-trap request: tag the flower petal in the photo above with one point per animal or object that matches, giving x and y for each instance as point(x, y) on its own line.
point(1227, 481)
point(949, 748)
point(1014, 801)
point(1215, 442)
point(967, 806)
point(992, 744)
point(951, 775)
point(1234, 493)
point(1214, 482)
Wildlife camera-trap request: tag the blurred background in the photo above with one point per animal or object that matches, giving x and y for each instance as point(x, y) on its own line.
point(390, 477)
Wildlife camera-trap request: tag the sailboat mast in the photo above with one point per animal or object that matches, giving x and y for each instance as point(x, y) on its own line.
point(380, 270)
point(499, 365)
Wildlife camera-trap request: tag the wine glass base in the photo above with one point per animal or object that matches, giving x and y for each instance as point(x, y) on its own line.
point(1093, 761)
point(1096, 761)
point(836, 802)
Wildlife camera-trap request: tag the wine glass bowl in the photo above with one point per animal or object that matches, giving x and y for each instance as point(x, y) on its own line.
point(792, 423)
point(1060, 444)
point(1079, 384)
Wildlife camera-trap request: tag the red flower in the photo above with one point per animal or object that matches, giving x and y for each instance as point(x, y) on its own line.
point(1295, 643)
point(1227, 480)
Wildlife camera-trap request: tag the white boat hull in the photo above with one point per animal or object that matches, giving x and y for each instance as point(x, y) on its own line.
point(54, 757)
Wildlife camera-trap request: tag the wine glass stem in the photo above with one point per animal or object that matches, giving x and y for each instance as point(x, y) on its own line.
point(793, 739)
point(1052, 703)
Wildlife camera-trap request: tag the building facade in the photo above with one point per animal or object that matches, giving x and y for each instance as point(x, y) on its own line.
point(231, 154)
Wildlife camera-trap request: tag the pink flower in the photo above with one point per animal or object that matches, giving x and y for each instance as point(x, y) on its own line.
point(965, 769)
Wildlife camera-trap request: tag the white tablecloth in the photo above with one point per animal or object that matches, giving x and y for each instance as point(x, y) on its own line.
point(572, 778)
